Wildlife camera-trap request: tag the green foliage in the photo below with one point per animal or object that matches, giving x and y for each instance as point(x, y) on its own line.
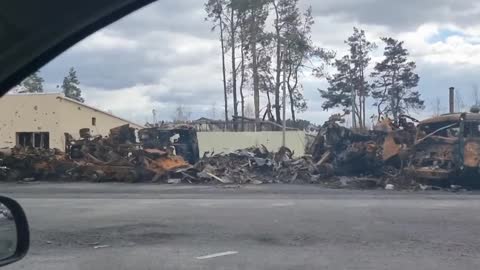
point(349, 88)
point(214, 9)
point(339, 91)
point(395, 81)
point(33, 84)
point(70, 86)
point(360, 49)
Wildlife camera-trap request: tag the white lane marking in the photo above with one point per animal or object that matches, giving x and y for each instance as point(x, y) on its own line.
point(283, 204)
point(217, 255)
point(101, 246)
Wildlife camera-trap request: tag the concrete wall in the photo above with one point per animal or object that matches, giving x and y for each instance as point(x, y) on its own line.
point(230, 141)
point(50, 113)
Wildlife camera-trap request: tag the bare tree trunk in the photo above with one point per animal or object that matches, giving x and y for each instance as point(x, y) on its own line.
point(279, 65)
point(380, 103)
point(292, 104)
point(364, 97)
point(242, 81)
point(269, 102)
point(234, 68)
point(394, 110)
point(379, 111)
point(354, 109)
point(394, 97)
point(358, 113)
point(256, 90)
point(293, 70)
point(359, 109)
point(364, 112)
point(222, 42)
point(268, 111)
point(362, 93)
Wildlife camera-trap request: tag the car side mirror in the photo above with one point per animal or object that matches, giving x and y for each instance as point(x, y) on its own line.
point(14, 231)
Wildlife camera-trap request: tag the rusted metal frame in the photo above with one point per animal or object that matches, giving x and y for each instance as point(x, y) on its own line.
point(435, 132)
point(409, 117)
point(461, 141)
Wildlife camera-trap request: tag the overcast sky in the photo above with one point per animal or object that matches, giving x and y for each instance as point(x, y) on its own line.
point(165, 54)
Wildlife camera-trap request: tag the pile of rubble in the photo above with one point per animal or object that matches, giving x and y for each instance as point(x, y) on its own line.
point(254, 166)
point(339, 157)
point(92, 158)
point(365, 159)
point(121, 159)
point(29, 163)
point(390, 156)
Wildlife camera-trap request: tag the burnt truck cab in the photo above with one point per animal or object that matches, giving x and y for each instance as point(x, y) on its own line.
point(182, 139)
point(447, 146)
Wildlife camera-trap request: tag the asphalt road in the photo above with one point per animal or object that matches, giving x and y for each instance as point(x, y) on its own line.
point(115, 226)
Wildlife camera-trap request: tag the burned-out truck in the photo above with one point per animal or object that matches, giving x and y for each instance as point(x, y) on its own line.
point(447, 147)
point(181, 139)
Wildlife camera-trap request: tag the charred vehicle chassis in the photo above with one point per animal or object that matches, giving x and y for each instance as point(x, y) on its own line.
point(447, 147)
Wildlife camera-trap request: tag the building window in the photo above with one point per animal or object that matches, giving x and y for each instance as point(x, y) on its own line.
point(94, 121)
point(34, 139)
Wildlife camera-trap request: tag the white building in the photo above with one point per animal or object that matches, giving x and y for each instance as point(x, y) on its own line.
point(41, 120)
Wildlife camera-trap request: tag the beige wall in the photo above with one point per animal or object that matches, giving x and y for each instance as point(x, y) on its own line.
point(231, 141)
point(27, 114)
point(49, 113)
point(74, 116)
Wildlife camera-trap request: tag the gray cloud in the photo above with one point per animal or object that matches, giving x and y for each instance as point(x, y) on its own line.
point(399, 15)
point(155, 56)
point(168, 48)
point(185, 16)
point(110, 70)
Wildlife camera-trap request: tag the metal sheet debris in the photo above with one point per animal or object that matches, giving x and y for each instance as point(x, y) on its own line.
point(404, 155)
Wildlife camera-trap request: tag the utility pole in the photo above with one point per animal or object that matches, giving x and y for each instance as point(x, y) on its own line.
point(451, 99)
point(284, 101)
point(154, 113)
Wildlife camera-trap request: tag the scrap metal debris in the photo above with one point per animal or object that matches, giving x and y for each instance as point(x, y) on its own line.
point(180, 140)
point(254, 166)
point(117, 157)
point(406, 154)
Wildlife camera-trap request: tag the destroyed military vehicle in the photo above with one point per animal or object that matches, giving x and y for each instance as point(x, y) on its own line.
point(447, 147)
point(179, 140)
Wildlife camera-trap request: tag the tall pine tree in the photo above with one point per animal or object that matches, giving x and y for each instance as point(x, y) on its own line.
point(339, 91)
point(348, 88)
point(395, 82)
point(33, 84)
point(216, 13)
point(70, 86)
point(360, 49)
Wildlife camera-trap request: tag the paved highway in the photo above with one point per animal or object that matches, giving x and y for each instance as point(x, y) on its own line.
point(122, 226)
